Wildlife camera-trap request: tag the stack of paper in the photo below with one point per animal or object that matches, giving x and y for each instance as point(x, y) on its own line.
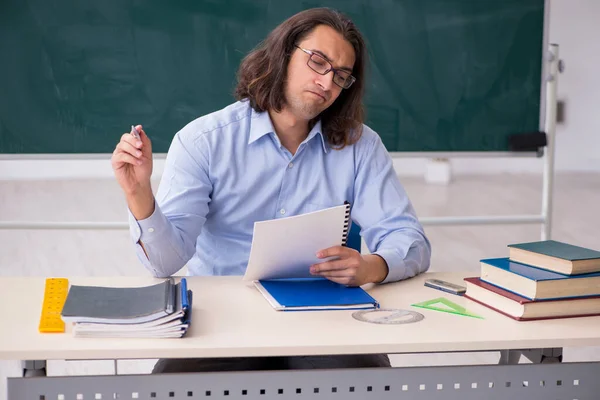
point(157, 311)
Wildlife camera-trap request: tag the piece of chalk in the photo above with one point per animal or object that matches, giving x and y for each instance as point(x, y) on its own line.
point(135, 132)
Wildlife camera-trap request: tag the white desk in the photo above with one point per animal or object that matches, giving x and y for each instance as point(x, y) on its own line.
point(231, 319)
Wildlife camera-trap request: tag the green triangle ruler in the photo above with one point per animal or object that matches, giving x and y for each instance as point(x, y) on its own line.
point(445, 305)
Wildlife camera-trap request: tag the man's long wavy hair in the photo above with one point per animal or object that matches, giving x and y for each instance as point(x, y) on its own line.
point(263, 73)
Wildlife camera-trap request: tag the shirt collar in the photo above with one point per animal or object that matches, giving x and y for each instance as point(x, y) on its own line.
point(261, 125)
point(318, 130)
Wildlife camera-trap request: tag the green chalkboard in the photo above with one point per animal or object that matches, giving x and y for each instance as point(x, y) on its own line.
point(445, 75)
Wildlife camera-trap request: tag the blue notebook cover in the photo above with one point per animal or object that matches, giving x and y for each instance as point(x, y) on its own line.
point(533, 273)
point(314, 294)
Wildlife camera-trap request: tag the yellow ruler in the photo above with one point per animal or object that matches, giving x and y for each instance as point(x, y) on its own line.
point(55, 295)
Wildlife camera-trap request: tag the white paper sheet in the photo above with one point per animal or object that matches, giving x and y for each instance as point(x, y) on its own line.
point(287, 247)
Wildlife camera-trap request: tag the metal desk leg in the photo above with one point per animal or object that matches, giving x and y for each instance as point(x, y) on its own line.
point(536, 356)
point(509, 357)
point(544, 356)
point(33, 368)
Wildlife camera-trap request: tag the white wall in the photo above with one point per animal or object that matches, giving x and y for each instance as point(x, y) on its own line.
point(574, 26)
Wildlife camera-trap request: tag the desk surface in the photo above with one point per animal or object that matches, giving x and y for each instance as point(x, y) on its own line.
point(232, 319)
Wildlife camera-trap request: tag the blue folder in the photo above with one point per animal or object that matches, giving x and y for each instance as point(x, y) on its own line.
point(314, 294)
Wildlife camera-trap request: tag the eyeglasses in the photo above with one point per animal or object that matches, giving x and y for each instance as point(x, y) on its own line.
point(321, 66)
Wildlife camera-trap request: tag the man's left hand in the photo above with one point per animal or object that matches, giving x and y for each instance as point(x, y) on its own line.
point(350, 268)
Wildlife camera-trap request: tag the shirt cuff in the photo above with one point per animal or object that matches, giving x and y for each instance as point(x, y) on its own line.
point(396, 267)
point(149, 229)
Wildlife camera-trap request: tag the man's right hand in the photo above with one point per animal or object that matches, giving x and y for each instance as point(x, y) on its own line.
point(132, 164)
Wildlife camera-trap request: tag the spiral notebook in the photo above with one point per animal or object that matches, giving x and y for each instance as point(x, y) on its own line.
point(287, 247)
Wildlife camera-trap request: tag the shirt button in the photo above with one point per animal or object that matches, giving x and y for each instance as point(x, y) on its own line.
point(150, 230)
point(282, 211)
point(290, 165)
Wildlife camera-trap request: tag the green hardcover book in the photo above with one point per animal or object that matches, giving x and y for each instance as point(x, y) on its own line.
point(556, 256)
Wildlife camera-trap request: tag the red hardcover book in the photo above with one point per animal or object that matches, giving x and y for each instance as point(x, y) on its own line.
point(524, 309)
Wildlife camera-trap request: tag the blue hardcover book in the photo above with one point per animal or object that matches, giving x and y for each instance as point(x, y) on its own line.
point(314, 294)
point(556, 256)
point(536, 283)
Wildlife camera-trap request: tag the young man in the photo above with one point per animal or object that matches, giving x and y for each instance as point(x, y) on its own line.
point(293, 143)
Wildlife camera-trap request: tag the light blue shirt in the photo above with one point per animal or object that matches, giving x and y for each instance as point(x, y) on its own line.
point(227, 170)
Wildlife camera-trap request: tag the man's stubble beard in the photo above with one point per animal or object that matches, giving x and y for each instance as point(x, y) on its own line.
point(302, 109)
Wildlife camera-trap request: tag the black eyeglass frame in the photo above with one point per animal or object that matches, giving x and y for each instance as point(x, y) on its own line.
point(349, 80)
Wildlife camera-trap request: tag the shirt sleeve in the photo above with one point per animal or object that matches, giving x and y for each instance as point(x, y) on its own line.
point(389, 224)
point(169, 235)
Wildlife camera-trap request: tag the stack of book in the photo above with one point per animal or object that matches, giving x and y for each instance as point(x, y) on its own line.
point(158, 311)
point(540, 280)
